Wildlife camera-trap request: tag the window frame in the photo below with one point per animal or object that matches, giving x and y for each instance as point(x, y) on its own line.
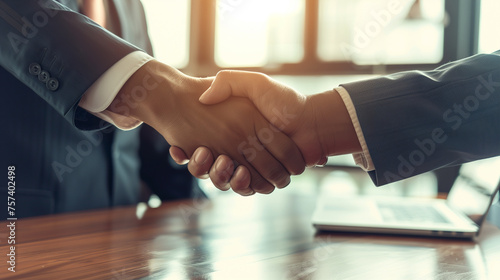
point(461, 36)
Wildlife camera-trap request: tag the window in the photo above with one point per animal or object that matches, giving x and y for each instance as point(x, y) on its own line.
point(489, 41)
point(316, 37)
point(168, 25)
point(259, 32)
point(381, 31)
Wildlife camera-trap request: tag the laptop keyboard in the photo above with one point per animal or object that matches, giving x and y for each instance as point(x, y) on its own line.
point(410, 213)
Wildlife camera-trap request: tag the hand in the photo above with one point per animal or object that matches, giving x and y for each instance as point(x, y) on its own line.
point(234, 128)
point(319, 124)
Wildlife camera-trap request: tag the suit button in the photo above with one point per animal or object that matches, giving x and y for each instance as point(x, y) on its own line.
point(52, 84)
point(44, 76)
point(35, 69)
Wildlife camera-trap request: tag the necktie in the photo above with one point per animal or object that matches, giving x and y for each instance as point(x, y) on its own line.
point(95, 10)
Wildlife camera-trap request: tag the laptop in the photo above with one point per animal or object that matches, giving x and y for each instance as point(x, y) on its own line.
point(461, 215)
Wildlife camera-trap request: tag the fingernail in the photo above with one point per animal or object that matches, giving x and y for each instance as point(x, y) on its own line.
point(285, 185)
point(205, 94)
point(183, 162)
point(222, 167)
point(226, 187)
point(239, 177)
point(323, 162)
point(249, 193)
point(201, 156)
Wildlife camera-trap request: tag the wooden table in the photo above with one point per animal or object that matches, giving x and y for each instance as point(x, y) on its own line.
point(262, 237)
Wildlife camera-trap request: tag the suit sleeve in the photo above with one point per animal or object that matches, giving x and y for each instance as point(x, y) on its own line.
point(58, 53)
point(414, 122)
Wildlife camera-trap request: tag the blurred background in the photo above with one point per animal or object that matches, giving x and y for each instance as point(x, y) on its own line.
point(314, 45)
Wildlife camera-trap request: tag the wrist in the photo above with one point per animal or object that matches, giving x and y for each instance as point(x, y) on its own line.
point(334, 129)
point(146, 90)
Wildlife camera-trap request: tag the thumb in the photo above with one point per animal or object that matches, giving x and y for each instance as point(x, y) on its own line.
point(229, 83)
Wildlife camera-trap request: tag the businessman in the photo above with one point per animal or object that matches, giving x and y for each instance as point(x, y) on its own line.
point(395, 126)
point(66, 82)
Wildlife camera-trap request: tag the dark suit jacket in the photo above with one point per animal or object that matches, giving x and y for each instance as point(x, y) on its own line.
point(414, 122)
point(65, 158)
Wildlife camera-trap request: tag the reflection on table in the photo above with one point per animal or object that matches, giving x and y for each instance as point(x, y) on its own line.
point(230, 237)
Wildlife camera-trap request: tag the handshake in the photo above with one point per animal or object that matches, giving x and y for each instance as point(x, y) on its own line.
point(244, 130)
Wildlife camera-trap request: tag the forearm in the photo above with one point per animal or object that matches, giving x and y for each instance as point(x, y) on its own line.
point(71, 49)
point(159, 95)
point(149, 93)
point(335, 130)
point(415, 122)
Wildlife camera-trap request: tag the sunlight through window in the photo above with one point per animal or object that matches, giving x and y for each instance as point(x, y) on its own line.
point(168, 26)
point(489, 41)
point(259, 32)
point(381, 31)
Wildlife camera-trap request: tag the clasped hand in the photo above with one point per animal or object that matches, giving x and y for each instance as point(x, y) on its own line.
point(262, 156)
point(307, 121)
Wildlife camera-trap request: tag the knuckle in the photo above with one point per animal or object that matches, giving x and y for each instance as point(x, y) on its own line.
point(223, 74)
point(261, 77)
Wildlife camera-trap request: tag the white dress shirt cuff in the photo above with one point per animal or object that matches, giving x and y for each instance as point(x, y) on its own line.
point(363, 159)
point(99, 96)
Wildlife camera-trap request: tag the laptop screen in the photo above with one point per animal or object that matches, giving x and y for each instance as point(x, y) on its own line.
point(476, 186)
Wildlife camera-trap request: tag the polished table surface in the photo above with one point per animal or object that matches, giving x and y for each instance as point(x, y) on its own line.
point(261, 237)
